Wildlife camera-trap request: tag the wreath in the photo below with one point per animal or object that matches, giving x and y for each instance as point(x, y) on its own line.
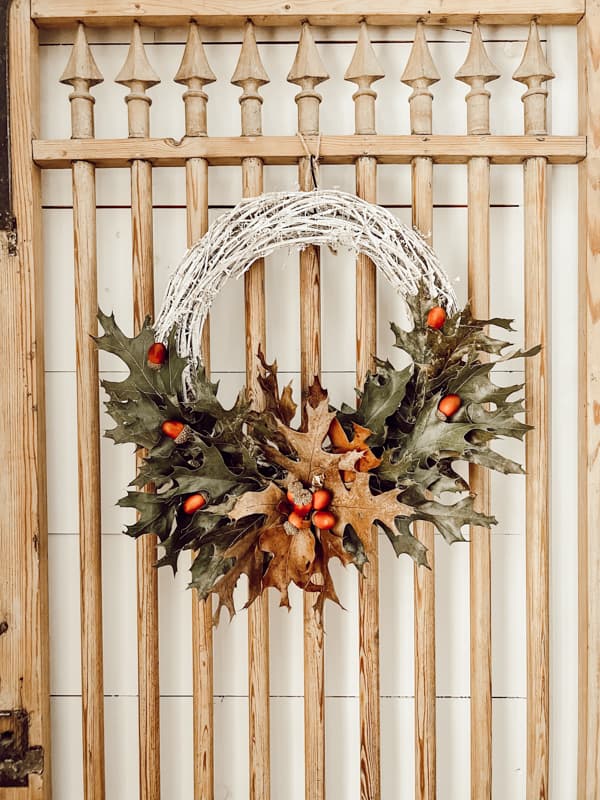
point(247, 491)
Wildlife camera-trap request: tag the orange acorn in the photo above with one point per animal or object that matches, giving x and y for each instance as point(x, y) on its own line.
point(449, 405)
point(297, 521)
point(323, 520)
point(172, 428)
point(321, 499)
point(193, 503)
point(157, 355)
point(300, 498)
point(436, 318)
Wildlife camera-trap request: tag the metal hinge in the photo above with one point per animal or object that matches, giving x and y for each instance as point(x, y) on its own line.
point(17, 759)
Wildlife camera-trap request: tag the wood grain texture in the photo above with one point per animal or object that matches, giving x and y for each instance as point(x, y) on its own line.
point(24, 659)
point(420, 73)
point(273, 150)
point(317, 12)
point(147, 554)
point(196, 183)
point(88, 459)
point(138, 75)
point(368, 586)
point(314, 644)
point(589, 417)
point(537, 483)
point(479, 479)
point(258, 613)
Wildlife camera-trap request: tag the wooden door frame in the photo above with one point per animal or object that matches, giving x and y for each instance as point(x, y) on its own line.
point(24, 622)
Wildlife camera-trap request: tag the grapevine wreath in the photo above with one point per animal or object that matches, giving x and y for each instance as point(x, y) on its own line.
point(251, 493)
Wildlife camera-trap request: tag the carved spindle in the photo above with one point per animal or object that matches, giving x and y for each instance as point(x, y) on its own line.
point(250, 75)
point(81, 73)
point(195, 72)
point(138, 76)
point(476, 72)
point(420, 73)
point(307, 71)
point(534, 71)
point(364, 70)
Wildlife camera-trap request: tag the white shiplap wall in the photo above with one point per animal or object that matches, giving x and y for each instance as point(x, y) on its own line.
point(452, 593)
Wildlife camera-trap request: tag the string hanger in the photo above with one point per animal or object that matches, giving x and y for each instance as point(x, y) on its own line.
point(312, 157)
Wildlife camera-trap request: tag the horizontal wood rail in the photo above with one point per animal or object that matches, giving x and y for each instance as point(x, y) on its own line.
point(231, 151)
point(293, 12)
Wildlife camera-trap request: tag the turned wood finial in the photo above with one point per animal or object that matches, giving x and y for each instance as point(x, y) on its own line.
point(420, 72)
point(477, 71)
point(81, 73)
point(194, 72)
point(307, 71)
point(533, 71)
point(364, 69)
point(250, 75)
point(138, 75)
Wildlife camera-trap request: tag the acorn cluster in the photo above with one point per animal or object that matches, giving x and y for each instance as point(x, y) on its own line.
point(305, 507)
point(450, 403)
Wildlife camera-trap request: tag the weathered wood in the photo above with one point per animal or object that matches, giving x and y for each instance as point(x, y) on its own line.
point(533, 71)
point(24, 660)
point(364, 70)
point(479, 479)
point(420, 73)
point(307, 72)
point(81, 72)
point(588, 773)
point(537, 485)
point(138, 75)
point(250, 75)
point(230, 151)
point(194, 73)
point(336, 12)
point(588, 781)
point(476, 72)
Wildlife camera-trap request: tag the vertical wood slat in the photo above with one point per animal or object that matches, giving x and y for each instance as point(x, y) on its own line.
point(476, 72)
point(194, 73)
point(307, 72)
point(588, 772)
point(420, 74)
point(533, 71)
point(24, 658)
point(81, 72)
point(250, 75)
point(138, 75)
point(364, 70)
point(479, 479)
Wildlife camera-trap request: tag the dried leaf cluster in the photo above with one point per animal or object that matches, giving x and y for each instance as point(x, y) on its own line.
point(386, 463)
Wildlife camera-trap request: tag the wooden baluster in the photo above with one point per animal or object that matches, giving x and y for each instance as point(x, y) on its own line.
point(420, 73)
point(588, 521)
point(138, 75)
point(194, 72)
point(478, 121)
point(250, 75)
point(364, 70)
point(307, 72)
point(533, 71)
point(83, 73)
